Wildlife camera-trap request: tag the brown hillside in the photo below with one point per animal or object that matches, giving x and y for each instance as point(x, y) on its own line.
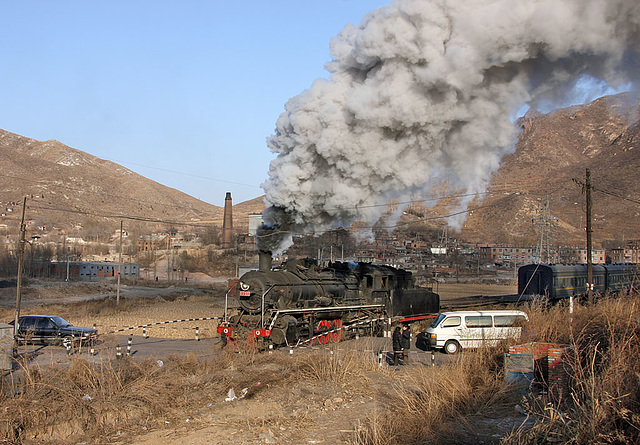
point(242, 211)
point(554, 149)
point(72, 186)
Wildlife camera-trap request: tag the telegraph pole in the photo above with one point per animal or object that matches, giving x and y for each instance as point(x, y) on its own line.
point(23, 229)
point(119, 266)
point(587, 187)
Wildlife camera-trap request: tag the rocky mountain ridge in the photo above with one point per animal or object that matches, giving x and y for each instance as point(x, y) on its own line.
point(67, 187)
point(551, 158)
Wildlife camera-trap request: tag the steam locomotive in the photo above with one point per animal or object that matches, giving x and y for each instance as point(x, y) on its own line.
point(556, 281)
point(300, 302)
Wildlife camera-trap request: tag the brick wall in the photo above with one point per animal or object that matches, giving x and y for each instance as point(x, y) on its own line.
point(550, 368)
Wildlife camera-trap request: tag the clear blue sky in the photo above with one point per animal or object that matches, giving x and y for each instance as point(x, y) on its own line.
point(182, 92)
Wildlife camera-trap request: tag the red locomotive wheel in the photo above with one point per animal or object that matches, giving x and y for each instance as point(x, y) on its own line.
point(324, 325)
point(337, 327)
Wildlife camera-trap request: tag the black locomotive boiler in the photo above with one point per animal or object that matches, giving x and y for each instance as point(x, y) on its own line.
point(300, 302)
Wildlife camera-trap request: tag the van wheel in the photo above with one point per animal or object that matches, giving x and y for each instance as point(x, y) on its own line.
point(452, 347)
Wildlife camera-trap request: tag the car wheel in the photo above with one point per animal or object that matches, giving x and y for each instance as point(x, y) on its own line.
point(452, 347)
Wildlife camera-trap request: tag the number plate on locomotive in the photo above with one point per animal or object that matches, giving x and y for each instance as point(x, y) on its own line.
point(245, 293)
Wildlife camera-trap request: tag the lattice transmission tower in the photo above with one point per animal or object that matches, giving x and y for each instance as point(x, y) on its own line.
point(545, 252)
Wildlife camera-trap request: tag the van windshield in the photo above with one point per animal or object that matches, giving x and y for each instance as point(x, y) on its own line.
point(437, 321)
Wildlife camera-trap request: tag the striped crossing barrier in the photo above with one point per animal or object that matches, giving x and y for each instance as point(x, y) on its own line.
point(158, 323)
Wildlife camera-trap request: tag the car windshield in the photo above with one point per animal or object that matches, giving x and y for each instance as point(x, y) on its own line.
point(60, 322)
point(437, 321)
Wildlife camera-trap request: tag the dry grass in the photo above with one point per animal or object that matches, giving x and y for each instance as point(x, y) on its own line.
point(602, 407)
point(449, 290)
point(420, 404)
point(338, 366)
point(604, 397)
point(109, 317)
point(425, 404)
point(55, 404)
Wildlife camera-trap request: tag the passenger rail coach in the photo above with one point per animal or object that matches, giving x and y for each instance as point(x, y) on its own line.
point(562, 281)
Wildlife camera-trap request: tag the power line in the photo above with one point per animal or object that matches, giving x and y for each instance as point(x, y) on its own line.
point(128, 217)
point(184, 173)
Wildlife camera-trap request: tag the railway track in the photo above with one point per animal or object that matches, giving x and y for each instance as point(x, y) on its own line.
point(480, 301)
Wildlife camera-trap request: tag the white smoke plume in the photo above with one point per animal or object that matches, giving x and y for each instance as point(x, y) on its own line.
point(423, 92)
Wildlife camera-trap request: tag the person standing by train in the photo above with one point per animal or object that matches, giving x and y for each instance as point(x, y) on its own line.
point(397, 345)
point(406, 343)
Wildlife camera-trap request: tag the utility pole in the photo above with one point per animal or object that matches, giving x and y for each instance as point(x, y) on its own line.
point(589, 232)
point(586, 188)
point(23, 229)
point(119, 266)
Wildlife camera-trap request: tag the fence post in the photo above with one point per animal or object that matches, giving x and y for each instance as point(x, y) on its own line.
point(67, 344)
point(129, 341)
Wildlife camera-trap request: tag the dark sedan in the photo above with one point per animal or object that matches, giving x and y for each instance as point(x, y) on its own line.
point(52, 329)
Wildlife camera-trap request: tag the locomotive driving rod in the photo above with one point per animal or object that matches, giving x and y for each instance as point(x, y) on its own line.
point(323, 309)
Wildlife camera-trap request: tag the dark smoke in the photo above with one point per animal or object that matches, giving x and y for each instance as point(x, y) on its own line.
point(275, 234)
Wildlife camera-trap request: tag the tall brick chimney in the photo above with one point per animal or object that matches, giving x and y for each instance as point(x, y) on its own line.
point(227, 223)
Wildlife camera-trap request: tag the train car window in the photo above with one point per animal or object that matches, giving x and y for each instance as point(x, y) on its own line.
point(478, 321)
point(451, 322)
point(385, 283)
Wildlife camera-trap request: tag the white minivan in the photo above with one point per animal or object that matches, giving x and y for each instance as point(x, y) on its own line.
point(453, 331)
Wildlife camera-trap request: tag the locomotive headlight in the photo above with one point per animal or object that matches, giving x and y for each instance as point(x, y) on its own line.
point(244, 286)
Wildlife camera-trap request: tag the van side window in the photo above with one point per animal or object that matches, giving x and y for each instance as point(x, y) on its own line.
point(451, 322)
point(504, 321)
point(478, 321)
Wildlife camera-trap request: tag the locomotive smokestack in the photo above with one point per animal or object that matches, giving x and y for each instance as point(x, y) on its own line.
point(264, 260)
point(227, 223)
